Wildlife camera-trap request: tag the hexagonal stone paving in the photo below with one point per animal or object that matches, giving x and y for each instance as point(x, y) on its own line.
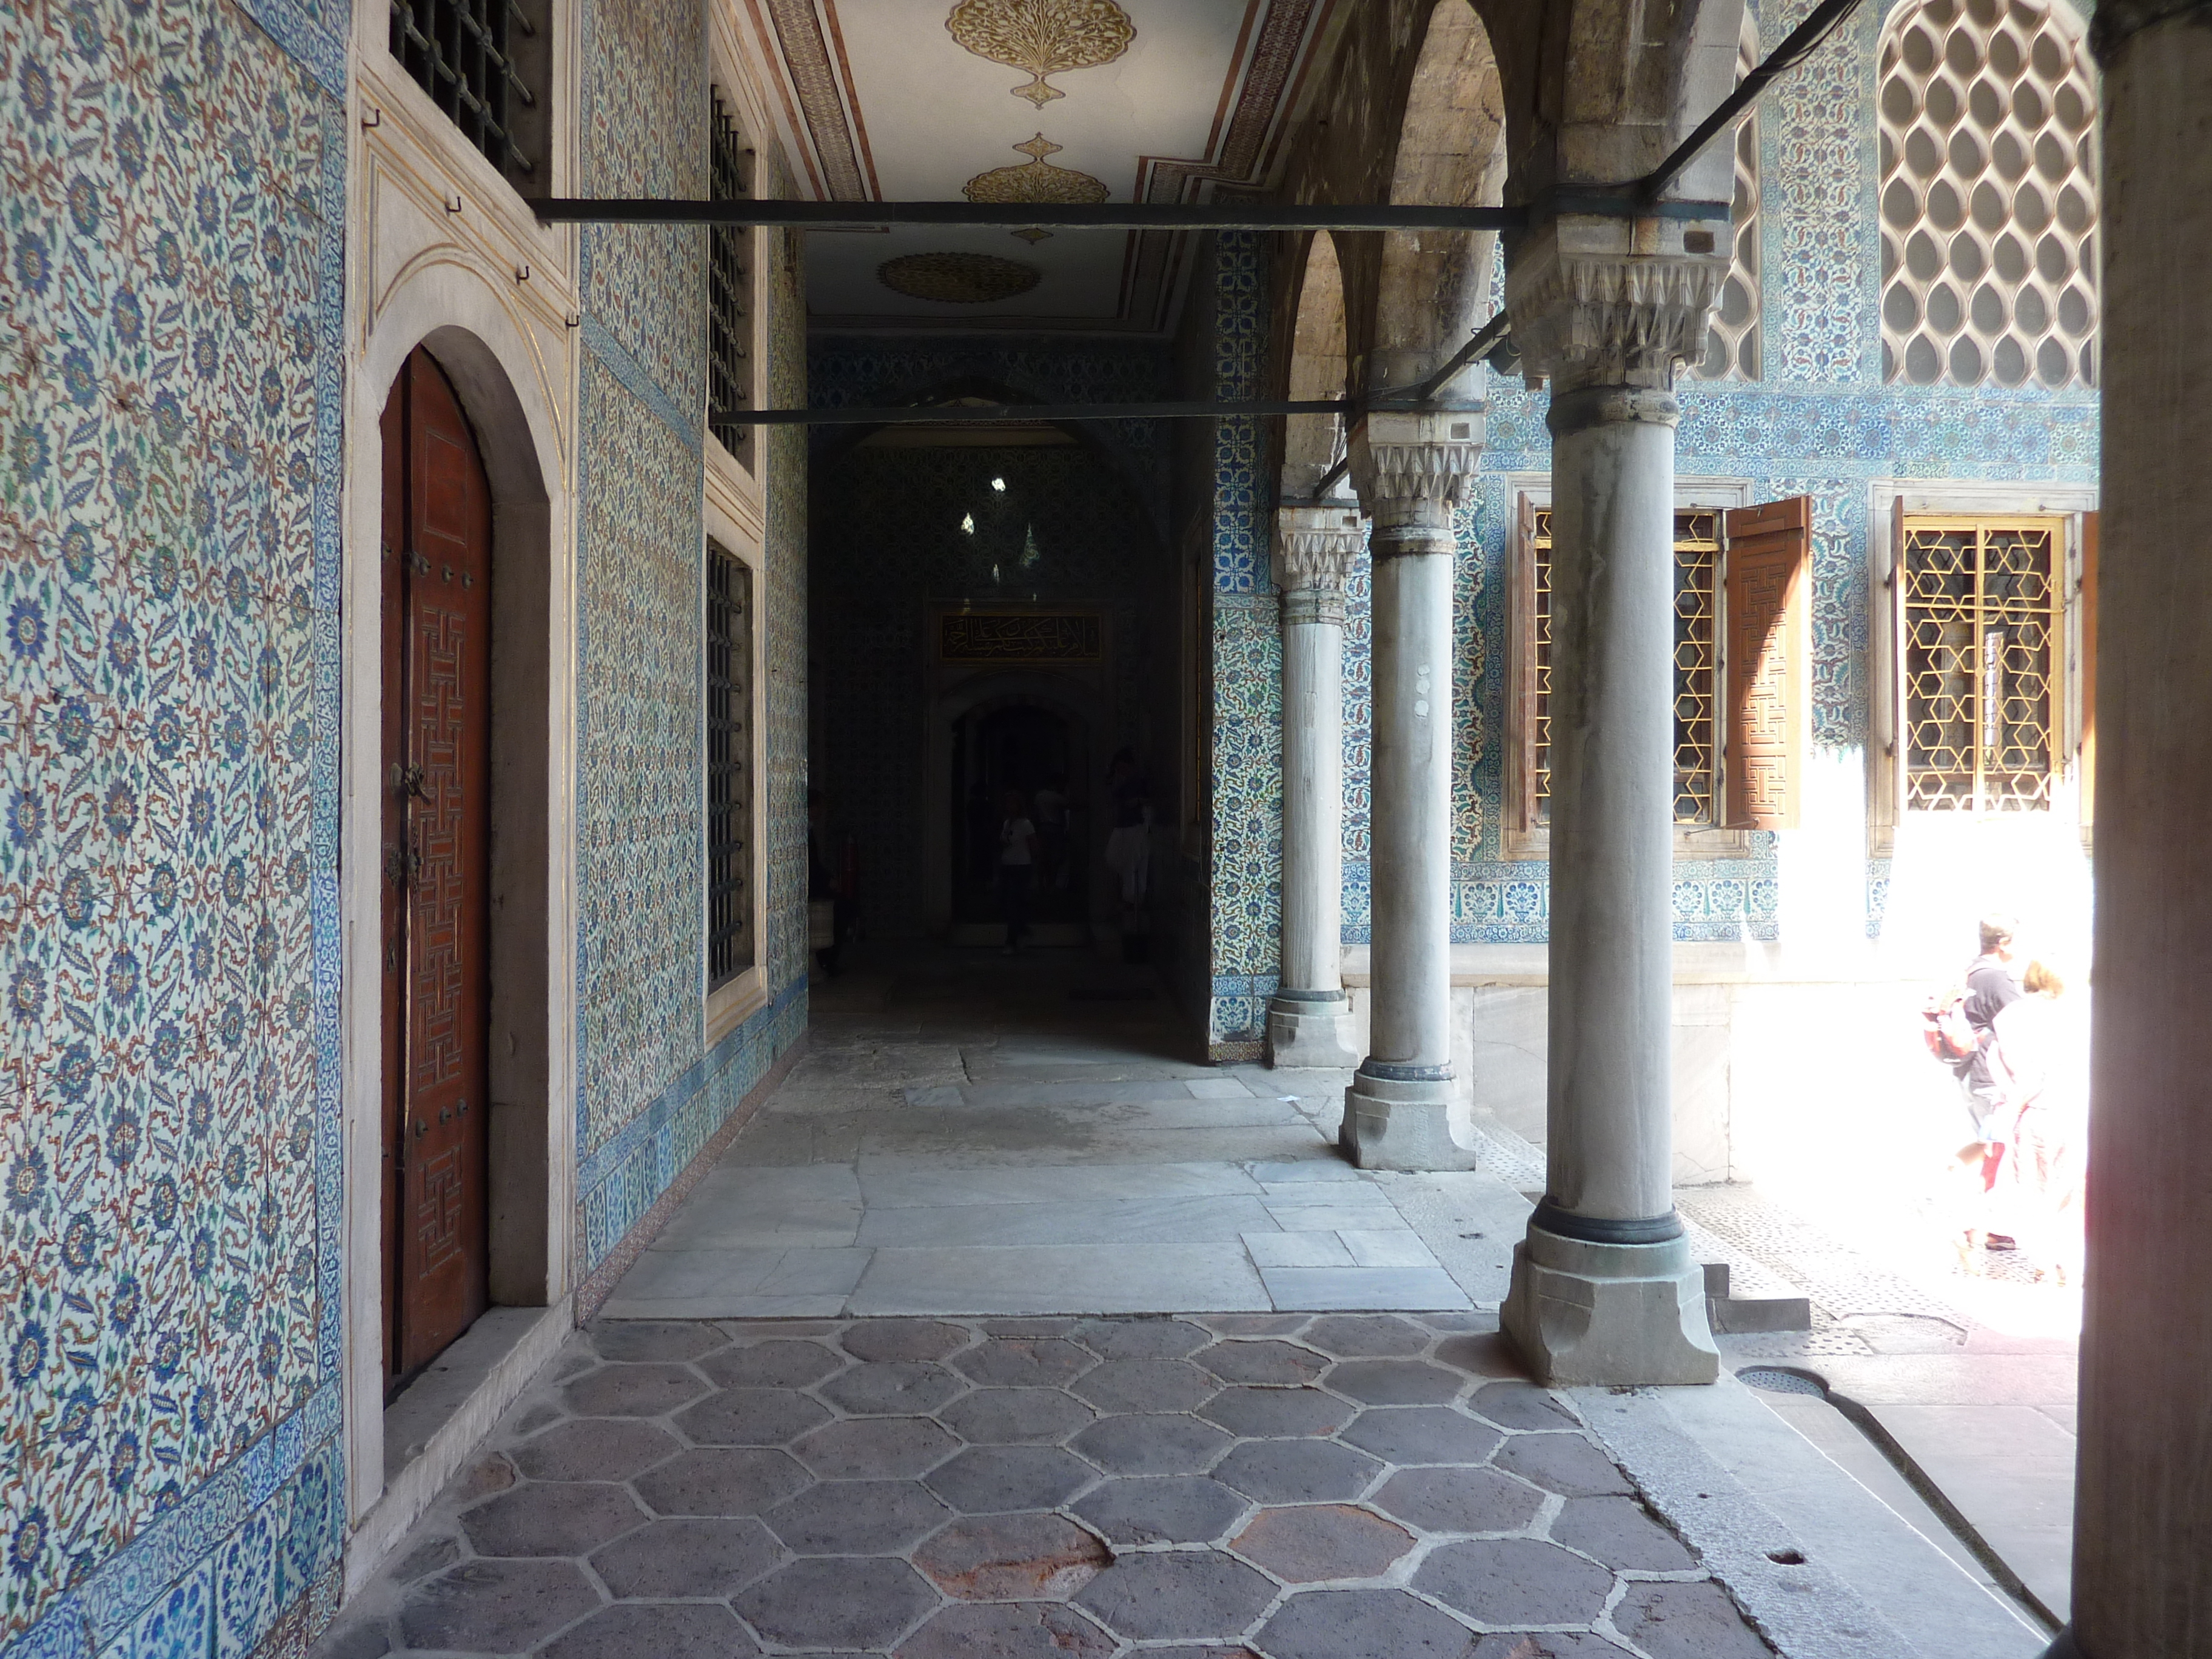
point(1174, 1509)
point(752, 1417)
point(902, 1339)
point(1459, 1500)
point(1297, 1471)
point(642, 1390)
point(857, 1518)
point(1145, 1385)
point(655, 1339)
point(1515, 1581)
point(715, 1480)
point(1032, 1631)
point(692, 1559)
point(845, 1604)
point(551, 1518)
point(863, 1446)
point(891, 1388)
point(1178, 1593)
point(666, 1630)
point(1014, 1417)
point(1422, 1434)
point(496, 1607)
point(1273, 1412)
point(926, 1487)
point(990, 1479)
point(1319, 1543)
point(1025, 1363)
point(1364, 1624)
point(1278, 1364)
point(593, 1449)
point(1366, 1336)
point(1002, 1558)
point(772, 1364)
point(1151, 1445)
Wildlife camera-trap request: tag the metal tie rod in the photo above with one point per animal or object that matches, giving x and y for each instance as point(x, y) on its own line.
point(1101, 216)
point(933, 414)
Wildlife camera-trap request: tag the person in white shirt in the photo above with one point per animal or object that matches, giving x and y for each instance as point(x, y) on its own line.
point(1017, 839)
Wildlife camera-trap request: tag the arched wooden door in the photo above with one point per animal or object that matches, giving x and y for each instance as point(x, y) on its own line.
point(436, 564)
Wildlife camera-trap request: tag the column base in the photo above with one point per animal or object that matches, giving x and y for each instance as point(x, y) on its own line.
point(1307, 1031)
point(1618, 1315)
point(1400, 1122)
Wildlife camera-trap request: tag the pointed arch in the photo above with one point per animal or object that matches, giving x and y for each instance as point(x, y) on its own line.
point(1435, 287)
point(1311, 443)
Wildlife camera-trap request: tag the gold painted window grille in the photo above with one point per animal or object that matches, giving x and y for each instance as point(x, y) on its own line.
point(1981, 621)
point(1697, 668)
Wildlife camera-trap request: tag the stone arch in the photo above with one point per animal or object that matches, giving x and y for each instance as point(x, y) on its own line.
point(1312, 443)
point(506, 376)
point(1434, 287)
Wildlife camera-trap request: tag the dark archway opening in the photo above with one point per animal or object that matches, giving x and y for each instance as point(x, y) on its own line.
point(1040, 755)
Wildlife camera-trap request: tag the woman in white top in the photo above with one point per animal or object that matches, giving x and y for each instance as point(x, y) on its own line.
point(2043, 1050)
point(1016, 868)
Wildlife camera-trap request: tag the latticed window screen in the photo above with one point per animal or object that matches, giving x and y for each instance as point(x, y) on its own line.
point(1981, 649)
point(729, 766)
point(730, 294)
point(1989, 198)
point(1697, 660)
point(1732, 340)
point(464, 53)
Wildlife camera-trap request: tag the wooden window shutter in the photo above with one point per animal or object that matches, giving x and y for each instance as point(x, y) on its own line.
point(1770, 661)
point(2089, 660)
point(1522, 721)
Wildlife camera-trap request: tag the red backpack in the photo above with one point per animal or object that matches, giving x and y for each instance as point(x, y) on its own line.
point(1944, 1027)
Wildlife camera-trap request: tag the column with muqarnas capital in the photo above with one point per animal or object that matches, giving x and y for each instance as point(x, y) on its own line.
point(2142, 1586)
point(1408, 468)
point(1604, 1289)
point(1309, 1021)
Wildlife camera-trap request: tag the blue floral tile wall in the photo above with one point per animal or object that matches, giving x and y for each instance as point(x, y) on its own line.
point(649, 1094)
point(171, 400)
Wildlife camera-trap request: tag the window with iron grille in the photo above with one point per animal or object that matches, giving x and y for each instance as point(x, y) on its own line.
point(1982, 667)
point(1697, 695)
point(729, 766)
point(484, 62)
point(730, 294)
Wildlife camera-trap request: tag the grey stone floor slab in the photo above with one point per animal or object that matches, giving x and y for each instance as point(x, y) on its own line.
point(889, 1183)
point(1211, 1219)
point(1320, 1288)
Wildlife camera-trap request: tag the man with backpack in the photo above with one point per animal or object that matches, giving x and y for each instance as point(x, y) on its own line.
point(1991, 989)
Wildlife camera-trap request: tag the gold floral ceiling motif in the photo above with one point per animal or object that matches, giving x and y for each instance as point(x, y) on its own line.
point(1034, 180)
point(957, 278)
point(1044, 37)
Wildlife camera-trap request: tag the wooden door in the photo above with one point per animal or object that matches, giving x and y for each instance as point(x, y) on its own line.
point(436, 561)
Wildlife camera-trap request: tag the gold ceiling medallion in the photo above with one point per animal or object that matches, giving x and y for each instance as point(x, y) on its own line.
point(969, 279)
point(1034, 180)
point(1044, 37)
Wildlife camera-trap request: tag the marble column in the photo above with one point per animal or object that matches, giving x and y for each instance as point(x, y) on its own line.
point(1604, 1289)
point(1309, 1022)
point(2143, 1507)
point(1409, 469)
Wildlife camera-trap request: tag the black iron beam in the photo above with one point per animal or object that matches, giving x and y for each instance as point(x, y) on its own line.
point(971, 414)
point(1022, 215)
point(1102, 215)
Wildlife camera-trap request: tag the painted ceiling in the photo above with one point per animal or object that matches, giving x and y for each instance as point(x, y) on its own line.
point(1044, 101)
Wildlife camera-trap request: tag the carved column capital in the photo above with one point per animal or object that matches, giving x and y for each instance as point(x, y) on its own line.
point(1315, 546)
point(1613, 302)
point(1408, 468)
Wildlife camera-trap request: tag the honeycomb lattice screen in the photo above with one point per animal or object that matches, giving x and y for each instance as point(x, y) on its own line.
point(1732, 332)
point(1989, 204)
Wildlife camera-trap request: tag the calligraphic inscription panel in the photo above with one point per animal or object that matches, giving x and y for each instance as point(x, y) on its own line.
point(1021, 637)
